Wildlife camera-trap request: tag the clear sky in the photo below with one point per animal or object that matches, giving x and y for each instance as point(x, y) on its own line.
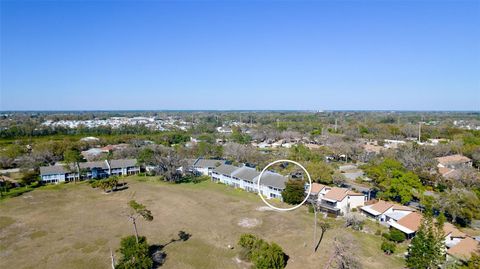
point(388, 55)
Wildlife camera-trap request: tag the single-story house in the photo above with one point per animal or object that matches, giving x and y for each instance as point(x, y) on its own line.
point(408, 224)
point(455, 161)
point(384, 211)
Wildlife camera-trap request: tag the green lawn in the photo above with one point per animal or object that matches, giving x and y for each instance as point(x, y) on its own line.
point(75, 226)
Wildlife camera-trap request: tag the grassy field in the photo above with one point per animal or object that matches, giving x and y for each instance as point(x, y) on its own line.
point(75, 226)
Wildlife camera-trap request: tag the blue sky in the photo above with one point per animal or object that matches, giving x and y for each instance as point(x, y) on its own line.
point(389, 55)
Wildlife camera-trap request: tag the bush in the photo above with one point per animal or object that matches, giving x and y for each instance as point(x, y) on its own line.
point(388, 247)
point(386, 236)
point(378, 232)
point(397, 235)
point(294, 192)
point(134, 255)
point(262, 254)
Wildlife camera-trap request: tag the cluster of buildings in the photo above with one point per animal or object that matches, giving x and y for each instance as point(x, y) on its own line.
point(271, 184)
point(459, 246)
point(88, 170)
point(117, 122)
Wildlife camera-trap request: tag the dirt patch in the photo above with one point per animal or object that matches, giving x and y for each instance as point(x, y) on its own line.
point(264, 208)
point(249, 222)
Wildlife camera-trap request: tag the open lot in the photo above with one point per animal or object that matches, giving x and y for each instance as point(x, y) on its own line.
point(75, 226)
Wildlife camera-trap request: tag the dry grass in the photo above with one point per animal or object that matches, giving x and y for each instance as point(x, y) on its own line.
point(74, 226)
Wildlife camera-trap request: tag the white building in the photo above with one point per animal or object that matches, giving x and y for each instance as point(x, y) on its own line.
point(340, 200)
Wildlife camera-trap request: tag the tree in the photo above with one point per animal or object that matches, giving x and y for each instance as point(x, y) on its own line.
point(395, 182)
point(355, 220)
point(388, 247)
point(135, 253)
point(459, 205)
point(29, 177)
point(344, 255)
point(320, 172)
point(427, 247)
point(396, 235)
point(294, 192)
point(138, 210)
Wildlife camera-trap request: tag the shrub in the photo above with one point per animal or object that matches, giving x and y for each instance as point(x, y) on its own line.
point(386, 236)
point(378, 232)
point(397, 236)
point(388, 247)
point(262, 254)
point(134, 255)
point(310, 209)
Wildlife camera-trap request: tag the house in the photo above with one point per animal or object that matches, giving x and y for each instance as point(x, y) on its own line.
point(204, 166)
point(222, 174)
point(463, 250)
point(340, 201)
point(455, 161)
point(88, 170)
point(318, 191)
point(408, 224)
point(59, 173)
point(271, 184)
point(246, 178)
point(384, 211)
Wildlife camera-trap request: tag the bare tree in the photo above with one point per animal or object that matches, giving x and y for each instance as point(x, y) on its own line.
point(344, 254)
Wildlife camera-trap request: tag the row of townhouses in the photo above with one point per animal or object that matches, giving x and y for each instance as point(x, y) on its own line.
point(88, 170)
point(459, 246)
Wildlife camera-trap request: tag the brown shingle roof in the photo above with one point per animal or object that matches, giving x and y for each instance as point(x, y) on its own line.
point(411, 221)
point(464, 249)
point(452, 159)
point(381, 206)
point(449, 228)
point(316, 188)
point(336, 194)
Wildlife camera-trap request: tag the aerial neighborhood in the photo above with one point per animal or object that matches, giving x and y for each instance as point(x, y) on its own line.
point(398, 191)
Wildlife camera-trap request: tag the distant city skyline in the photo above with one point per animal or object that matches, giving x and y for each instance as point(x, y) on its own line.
point(325, 55)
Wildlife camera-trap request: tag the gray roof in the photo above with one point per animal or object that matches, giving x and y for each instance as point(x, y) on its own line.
point(205, 163)
point(123, 163)
point(53, 169)
point(273, 180)
point(89, 165)
point(246, 173)
point(190, 162)
point(225, 169)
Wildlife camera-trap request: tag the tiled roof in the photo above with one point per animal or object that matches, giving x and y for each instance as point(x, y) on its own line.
point(449, 228)
point(205, 163)
point(411, 221)
point(381, 206)
point(464, 249)
point(123, 163)
point(337, 194)
point(453, 159)
point(273, 180)
point(246, 173)
point(54, 169)
point(316, 188)
point(225, 169)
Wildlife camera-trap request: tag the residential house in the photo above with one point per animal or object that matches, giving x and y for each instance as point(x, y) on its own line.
point(459, 245)
point(408, 224)
point(205, 166)
point(223, 174)
point(271, 184)
point(456, 161)
point(384, 211)
point(341, 201)
point(88, 170)
point(318, 191)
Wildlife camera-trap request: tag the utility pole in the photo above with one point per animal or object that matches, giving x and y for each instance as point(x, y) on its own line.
point(419, 132)
point(314, 226)
point(335, 125)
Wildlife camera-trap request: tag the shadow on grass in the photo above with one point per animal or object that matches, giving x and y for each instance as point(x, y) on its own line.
point(159, 256)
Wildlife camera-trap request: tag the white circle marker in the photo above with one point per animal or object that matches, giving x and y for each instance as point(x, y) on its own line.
point(284, 209)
